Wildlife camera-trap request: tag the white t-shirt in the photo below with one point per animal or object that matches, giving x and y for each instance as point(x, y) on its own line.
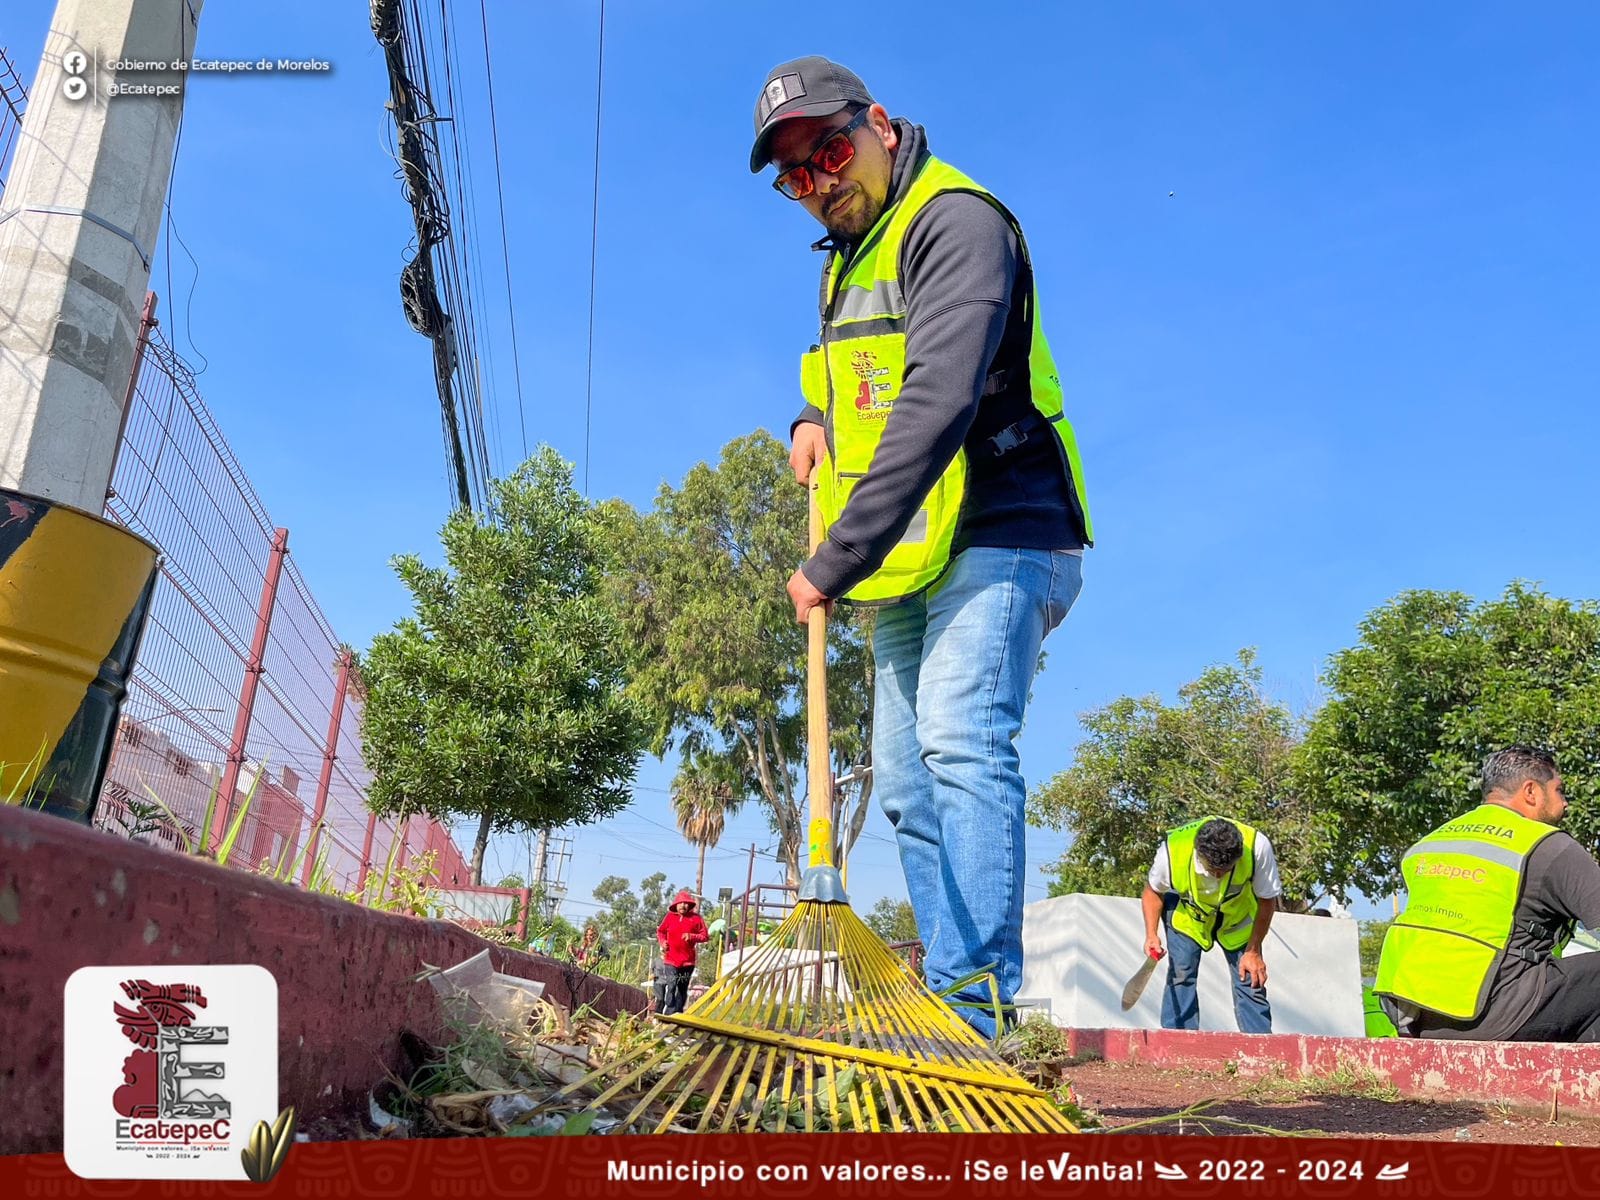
point(1266, 884)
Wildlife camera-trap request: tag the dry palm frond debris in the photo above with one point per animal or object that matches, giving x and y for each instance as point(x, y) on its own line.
point(494, 1072)
point(547, 1073)
point(820, 1028)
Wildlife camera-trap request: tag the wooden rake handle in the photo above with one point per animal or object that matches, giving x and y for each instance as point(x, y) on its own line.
point(819, 769)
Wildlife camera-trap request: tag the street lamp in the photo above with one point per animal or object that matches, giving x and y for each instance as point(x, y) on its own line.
point(856, 774)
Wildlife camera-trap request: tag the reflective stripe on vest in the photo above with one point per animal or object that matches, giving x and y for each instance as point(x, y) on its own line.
point(1463, 882)
point(854, 377)
point(1226, 918)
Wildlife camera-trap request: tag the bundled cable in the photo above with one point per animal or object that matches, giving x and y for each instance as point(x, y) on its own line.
point(434, 264)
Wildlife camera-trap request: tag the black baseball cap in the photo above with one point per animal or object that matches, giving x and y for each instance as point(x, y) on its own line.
point(807, 87)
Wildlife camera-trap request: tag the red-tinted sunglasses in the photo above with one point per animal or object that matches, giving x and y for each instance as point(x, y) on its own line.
point(832, 155)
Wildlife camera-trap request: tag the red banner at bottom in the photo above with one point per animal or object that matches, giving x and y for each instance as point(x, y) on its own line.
point(923, 1165)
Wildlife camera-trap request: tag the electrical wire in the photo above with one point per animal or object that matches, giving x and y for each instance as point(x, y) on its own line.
point(166, 204)
point(505, 252)
point(594, 242)
point(459, 274)
point(456, 274)
point(427, 164)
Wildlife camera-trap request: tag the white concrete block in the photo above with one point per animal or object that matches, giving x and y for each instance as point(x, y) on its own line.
point(1080, 950)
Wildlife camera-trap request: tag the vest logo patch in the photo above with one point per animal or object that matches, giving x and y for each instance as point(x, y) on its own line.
point(1427, 868)
point(873, 402)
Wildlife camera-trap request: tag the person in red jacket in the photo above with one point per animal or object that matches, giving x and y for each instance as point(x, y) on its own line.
point(680, 931)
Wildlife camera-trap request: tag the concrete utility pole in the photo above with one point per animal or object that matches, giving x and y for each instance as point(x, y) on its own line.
point(79, 223)
point(537, 883)
point(543, 856)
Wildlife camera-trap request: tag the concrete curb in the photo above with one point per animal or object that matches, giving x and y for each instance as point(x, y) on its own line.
point(1528, 1074)
point(73, 897)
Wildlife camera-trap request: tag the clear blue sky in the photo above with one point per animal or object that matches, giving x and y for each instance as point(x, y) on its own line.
point(1316, 277)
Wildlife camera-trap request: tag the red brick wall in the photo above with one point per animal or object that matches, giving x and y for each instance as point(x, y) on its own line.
point(73, 897)
point(1529, 1074)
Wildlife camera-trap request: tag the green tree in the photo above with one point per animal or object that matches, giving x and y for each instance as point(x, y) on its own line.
point(893, 920)
point(503, 698)
point(720, 665)
point(630, 917)
point(1435, 683)
point(1147, 766)
point(1371, 945)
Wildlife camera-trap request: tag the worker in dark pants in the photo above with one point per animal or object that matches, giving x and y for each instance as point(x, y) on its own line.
point(662, 979)
point(680, 931)
point(1213, 882)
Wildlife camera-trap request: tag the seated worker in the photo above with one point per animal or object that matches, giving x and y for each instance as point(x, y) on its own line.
point(1492, 896)
point(1213, 881)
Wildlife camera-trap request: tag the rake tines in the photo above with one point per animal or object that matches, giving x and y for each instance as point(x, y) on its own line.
point(820, 1028)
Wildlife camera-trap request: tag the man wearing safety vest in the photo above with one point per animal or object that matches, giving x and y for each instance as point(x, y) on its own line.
point(1492, 897)
point(1214, 882)
point(950, 486)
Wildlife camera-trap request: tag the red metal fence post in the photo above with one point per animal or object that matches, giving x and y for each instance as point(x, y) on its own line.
point(328, 756)
point(252, 678)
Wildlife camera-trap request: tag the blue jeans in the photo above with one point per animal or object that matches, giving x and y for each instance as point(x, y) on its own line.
point(954, 668)
point(1180, 1003)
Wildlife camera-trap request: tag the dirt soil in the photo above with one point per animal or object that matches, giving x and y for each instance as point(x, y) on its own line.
point(1122, 1094)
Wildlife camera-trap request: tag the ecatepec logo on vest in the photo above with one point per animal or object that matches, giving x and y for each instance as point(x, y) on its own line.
point(872, 400)
point(168, 1069)
point(1424, 866)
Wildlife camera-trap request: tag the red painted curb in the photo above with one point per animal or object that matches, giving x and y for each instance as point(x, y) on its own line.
point(72, 897)
point(1521, 1073)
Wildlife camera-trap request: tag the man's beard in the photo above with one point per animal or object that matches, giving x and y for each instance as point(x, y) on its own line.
point(850, 225)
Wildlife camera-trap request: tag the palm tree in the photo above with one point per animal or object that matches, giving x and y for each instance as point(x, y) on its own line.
point(702, 798)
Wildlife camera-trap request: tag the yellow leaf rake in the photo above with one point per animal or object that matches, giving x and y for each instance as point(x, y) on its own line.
point(821, 1026)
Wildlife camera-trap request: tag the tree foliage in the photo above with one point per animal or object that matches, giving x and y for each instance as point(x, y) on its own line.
point(503, 698)
point(893, 920)
point(630, 917)
point(1435, 683)
point(1370, 945)
point(720, 667)
point(1147, 766)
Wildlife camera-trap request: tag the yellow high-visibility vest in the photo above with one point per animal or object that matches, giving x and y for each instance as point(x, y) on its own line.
point(1463, 881)
point(854, 376)
point(1228, 914)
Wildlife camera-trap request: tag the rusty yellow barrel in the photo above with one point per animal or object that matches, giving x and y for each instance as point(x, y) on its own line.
point(74, 592)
